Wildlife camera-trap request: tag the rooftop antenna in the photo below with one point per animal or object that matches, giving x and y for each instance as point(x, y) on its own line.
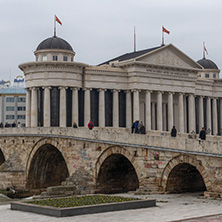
point(134, 39)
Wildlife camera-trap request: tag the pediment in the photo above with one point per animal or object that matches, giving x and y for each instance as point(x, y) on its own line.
point(170, 56)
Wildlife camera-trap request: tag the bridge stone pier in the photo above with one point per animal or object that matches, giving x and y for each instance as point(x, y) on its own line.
point(109, 160)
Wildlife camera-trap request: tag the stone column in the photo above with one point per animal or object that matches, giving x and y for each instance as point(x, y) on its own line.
point(159, 112)
point(28, 108)
point(128, 110)
point(209, 115)
point(220, 116)
point(201, 116)
point(101, 108)
point(191, 114)
point(62, 112)
point(148, 110)
point(115, 108)
point(181, 113)
point(170, 111)
point(34, 117)
point(136, 106)
point(153, 116)
point(215, 129)
point(75, 106)
point(87, 117)
point(46, 112)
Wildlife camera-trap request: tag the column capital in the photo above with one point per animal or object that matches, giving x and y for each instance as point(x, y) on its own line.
point(115, 90)
point(74, 88)
point(181, 93)
point(100, 90)
point(62, 87)
point(160, 92)
point(85, 89)
point(171, 93)
point(46, 87)
point(150, 91)
point(136, 90)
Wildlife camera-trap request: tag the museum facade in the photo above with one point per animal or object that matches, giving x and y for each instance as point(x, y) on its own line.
point(160, 86)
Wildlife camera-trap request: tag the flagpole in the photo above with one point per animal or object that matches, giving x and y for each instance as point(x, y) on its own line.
point(203, 50)
point(134, 39)
point(54, 25)
point(162, 36)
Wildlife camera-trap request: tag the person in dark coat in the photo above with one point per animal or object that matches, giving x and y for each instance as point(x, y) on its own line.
point(6, 124)
point(173, 132)
point(74, 125)
point(202, 134)
point(143, 129)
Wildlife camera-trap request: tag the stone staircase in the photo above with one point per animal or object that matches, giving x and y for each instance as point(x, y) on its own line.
point(150, 186)
point(79, 183)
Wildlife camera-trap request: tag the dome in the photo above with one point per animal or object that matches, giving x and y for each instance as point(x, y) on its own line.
point(54, 43)
point(207, 64)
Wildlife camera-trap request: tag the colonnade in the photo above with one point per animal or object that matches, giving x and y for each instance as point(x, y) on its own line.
point(156, 113)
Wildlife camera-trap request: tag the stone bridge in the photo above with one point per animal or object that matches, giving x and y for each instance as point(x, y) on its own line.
point(111, 160)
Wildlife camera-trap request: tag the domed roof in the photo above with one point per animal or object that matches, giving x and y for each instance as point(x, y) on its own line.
point(54, 43)
point(207, 64)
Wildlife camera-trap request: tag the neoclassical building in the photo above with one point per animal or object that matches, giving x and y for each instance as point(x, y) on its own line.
point(160, 86)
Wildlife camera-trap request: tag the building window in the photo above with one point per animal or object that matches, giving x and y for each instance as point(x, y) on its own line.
point(198, 75)
point(21, 99)
point(207, 76)
point(21, 108)
point(10, 99)
point(55, 58)
point(10, 108)
point(21, 116)
point(65, 58)
point(44, 58)
point(10, 116)
point(214, 75)
point(71, 59)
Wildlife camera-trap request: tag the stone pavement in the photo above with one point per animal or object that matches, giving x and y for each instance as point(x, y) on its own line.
point(215, 218)
point(170, 207)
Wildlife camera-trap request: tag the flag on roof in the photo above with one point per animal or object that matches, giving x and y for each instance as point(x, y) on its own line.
point(165, 30)
point(57, 20)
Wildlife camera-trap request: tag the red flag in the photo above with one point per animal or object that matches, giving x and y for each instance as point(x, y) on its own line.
point(57, 20)
point(205, 50)
point(165, 30)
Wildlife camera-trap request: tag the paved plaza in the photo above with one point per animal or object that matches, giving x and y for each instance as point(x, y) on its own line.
point(170, 207)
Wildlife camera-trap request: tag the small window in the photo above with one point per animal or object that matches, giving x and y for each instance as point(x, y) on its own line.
point(55, 58)
point(44, 58)
point(10, 116)
point(10, 108)
point(214, 75)
point(198, 75)
point(65, 58)
point(71, 59)
point(206, 75)
point(21, 108)
point(10, 99)
point(21, 99)
point(21, 116)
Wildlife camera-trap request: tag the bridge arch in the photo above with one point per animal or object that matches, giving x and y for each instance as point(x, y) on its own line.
point(46, 165)
point(116, 171)
point(184, 173)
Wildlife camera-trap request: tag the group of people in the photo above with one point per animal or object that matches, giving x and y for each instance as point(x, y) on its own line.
point(8, 125)
point(138, 127)
point(90, 125)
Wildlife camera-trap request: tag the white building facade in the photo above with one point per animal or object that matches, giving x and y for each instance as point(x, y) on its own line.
point(12, 103)
point(160, 86)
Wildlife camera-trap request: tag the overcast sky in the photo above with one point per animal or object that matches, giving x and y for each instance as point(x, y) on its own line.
point(99, 30)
